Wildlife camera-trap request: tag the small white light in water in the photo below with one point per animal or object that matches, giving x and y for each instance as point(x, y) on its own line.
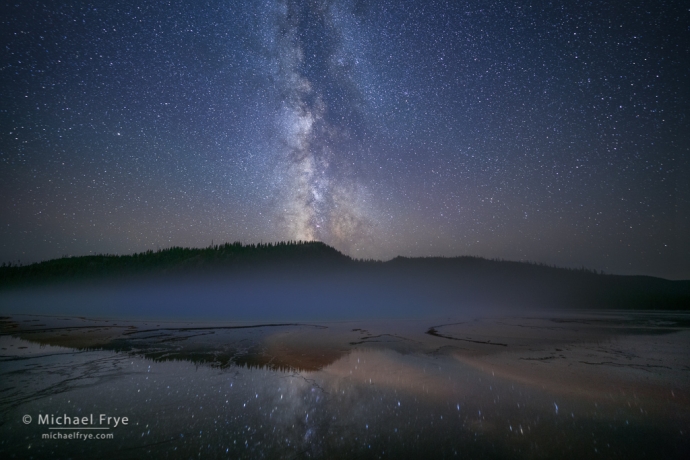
point(556, 405)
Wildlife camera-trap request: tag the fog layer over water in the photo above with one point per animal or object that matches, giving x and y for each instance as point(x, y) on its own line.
point(283, 297)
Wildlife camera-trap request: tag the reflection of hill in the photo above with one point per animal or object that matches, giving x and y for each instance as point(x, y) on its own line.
point(312, 269)
point(279, 347)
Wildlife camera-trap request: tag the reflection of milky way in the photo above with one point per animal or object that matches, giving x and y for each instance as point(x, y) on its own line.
point(319, 198)
point(566, 387)
point(368, 404)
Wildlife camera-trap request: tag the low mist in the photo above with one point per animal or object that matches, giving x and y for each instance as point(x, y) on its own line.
point(327, 297)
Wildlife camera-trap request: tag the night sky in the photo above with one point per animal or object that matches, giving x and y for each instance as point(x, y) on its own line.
point(554, 132)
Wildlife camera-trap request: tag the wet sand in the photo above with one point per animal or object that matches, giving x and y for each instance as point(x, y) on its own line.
point(566, 385)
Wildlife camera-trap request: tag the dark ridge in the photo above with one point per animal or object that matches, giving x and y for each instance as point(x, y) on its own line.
point(177, 260)
point(431, 280)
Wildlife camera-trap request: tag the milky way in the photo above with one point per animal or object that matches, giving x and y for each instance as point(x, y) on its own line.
point(321, 198)
point(517, 130)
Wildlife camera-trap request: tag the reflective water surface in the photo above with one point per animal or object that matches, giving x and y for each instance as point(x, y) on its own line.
point(587, 385)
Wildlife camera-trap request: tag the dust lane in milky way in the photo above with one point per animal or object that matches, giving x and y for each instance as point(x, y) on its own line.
point(321, 197)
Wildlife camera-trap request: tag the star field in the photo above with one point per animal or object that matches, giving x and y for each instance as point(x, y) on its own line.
point(539, 131)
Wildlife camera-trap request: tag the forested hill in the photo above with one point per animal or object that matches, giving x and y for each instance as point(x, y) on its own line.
point(315, 265)
point(177, 260)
